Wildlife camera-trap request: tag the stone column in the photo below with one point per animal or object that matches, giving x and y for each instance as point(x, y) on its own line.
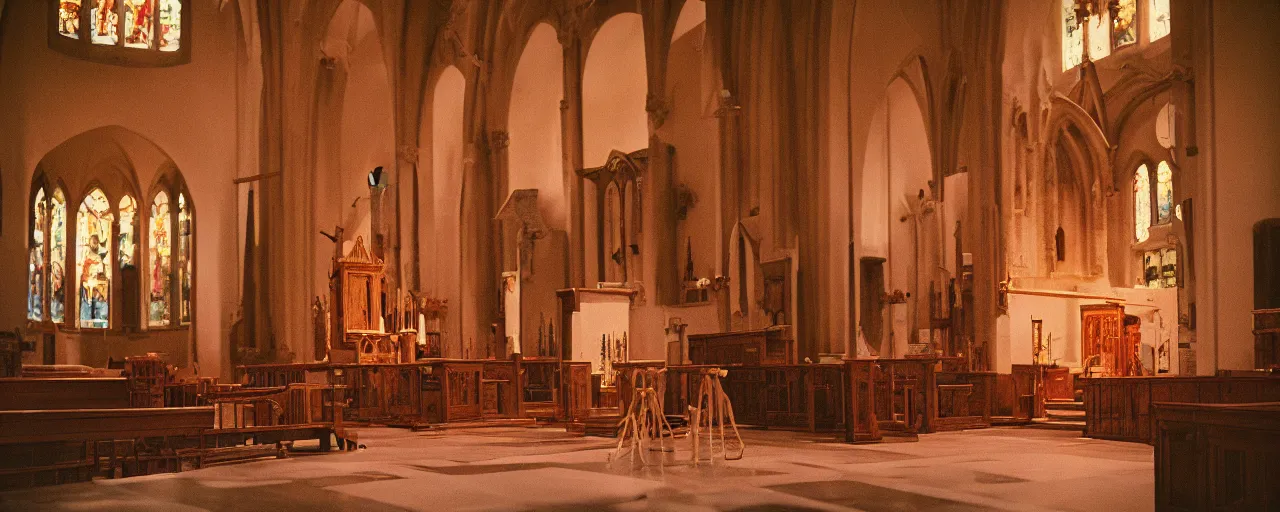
point(571, 146)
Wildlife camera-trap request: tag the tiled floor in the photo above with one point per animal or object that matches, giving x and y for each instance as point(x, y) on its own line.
point(546, 469)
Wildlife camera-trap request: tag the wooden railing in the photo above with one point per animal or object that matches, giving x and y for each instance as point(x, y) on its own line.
point(445, 390)
point(1120, 408)
point(965, 400)
point(795, 397)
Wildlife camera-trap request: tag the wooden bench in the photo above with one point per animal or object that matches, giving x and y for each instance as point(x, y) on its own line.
point(45, 447)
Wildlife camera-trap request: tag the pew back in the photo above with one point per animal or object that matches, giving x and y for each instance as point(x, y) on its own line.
point(20, 393)
point(1120, 408)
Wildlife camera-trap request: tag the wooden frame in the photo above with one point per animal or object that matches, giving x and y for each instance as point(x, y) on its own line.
point(622, 172)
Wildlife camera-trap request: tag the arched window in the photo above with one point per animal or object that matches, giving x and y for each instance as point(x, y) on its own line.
point(184, 260)
point(130, 32)
point(1114, 25)
point(94, 224)
point(1158, 19)
point(35, 259)
point(57, 256)
point(160, 243)
point(1153, 206)
point(1164, 192)
point(1142, 203)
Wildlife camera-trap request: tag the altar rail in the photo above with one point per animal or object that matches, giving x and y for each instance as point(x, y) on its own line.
point(1120, 408)
point(791, 397)
point(861, 397)
point(435, 391)
point(1217, 456)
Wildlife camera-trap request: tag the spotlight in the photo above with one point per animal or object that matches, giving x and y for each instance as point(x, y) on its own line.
point(375, 177)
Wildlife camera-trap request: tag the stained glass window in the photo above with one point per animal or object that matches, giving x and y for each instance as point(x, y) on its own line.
point(57, 256)
point(1164, 192)
point(69, 18)
point(1142, 203)
point(128, 209)
point(1072, 36)
point(1123, 30)
point(1169, 268)
point(1151, 269)
point(161, 261)
point(105, 18)
point(138, 28)
point(170, 25)
point(35, 259)
point(1158, 19)
point(1099, 35)
point(93, 259)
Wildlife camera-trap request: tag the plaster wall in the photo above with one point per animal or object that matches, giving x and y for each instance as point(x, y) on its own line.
point(533, 124)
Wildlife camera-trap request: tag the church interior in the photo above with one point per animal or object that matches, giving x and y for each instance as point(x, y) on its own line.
point(640, 254)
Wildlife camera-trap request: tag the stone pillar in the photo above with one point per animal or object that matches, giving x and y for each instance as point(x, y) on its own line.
point(571, 145)
point(730, 198)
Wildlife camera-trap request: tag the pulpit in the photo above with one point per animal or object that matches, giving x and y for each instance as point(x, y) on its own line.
point(356, 285)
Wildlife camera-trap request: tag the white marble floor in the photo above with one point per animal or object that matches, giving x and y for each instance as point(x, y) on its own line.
point(546, 469)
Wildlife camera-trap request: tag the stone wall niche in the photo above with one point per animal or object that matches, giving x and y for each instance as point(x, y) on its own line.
point(534, 266)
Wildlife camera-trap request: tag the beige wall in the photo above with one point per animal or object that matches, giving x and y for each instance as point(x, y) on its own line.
point(1239, 151)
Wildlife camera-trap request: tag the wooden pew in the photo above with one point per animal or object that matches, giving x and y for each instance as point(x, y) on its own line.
point(1120, 408)
point(21, 393)
point(45, 447)
point(1217, 456)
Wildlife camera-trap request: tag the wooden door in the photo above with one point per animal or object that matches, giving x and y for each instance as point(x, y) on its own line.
point(577, 391)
